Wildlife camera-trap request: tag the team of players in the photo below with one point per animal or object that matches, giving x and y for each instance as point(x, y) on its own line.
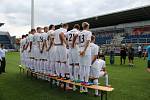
point(60, 53)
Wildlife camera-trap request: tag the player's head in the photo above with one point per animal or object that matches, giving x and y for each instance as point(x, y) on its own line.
point(1, 45)
point(33, 31)
point(65, 26)
point(26, 35)
point(85, 25)
point(23, 36)
point(51, 27)
point(77, 26)
point(92, 38)
point(45, 29)
point(39, 29)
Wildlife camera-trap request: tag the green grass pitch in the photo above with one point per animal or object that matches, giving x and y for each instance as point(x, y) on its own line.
point(129, 83)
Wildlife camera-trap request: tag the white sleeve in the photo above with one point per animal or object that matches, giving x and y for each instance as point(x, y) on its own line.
point(89, 36)
point(104, 64)
point(45, 37)
point(96, 50)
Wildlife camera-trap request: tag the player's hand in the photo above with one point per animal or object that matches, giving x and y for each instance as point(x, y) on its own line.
point(82, 53)
point(47, 49)
point(29, 50)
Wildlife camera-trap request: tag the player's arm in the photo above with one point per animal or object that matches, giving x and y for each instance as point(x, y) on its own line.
point(44, 44)
point(94, 58)
point(63, 38)
point(23, 48)
point(74, 40)
point(39, 46)
point(86, 45)
point(30, 45)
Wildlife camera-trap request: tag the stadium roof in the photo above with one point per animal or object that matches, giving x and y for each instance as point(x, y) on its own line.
point(127, 16)
point(1, 24)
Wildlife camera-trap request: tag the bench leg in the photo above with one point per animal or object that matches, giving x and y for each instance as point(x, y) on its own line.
point(102, 94)
point(64, 86)
point(51, 82)
point(106, 95)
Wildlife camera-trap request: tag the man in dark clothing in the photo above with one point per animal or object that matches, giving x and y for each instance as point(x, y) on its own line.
point(131, 55)
point(123, 54)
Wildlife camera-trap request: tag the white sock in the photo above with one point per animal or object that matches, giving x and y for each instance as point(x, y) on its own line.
point(57, 68)
point(106, 80)
point(63, 65)
point(76, 72)
point(70, 72)
point(96, 83)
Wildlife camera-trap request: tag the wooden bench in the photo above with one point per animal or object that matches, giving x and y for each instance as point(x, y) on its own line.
point(103, 89)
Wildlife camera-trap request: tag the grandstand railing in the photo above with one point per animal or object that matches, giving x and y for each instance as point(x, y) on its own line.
point(136, 40)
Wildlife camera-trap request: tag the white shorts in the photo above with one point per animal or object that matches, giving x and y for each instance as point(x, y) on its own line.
point(61, 53)
point(73, 56)
point(85, 60)
point(44, 55)
point(52, 54)
point(37, 53)
point(95, 71)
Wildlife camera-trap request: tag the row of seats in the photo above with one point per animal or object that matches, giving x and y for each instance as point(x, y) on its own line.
point(103, 40)
point(4, 39)
point(144, 38)
point(138, 36)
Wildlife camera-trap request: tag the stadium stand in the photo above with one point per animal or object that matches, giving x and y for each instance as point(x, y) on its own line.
point(120, 26)
point(6, 40)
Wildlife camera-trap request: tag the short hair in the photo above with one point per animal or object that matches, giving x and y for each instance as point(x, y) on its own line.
point(77, 26)
point(2, 45)
point(45, 27)
point(50, 26)
point(85, 25)
point(33, 30)
point(65, 25)
point(92, 37)
point(38, 28)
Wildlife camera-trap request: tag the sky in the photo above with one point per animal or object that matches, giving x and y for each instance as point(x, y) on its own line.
point(16, 14)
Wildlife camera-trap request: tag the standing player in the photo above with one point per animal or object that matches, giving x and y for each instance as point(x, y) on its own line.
point(51, 51)
point(37, 48)
point(85, 54)
point(31, 50)
point(44, 37)
point(61, 52)
point(148, 62)
point(73, 52)
point(22, 50)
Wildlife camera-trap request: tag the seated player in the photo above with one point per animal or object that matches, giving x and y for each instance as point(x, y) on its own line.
point(98, 70)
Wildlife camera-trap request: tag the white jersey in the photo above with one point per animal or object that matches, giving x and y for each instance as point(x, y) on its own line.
point(57, 33)
point(70, 34)
point(99, 64)
point(30, 37)
point(51, 33)
point(36, 38)
point(85, 36)
point(94, 49)
point(22, 43)
point(44, 36)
